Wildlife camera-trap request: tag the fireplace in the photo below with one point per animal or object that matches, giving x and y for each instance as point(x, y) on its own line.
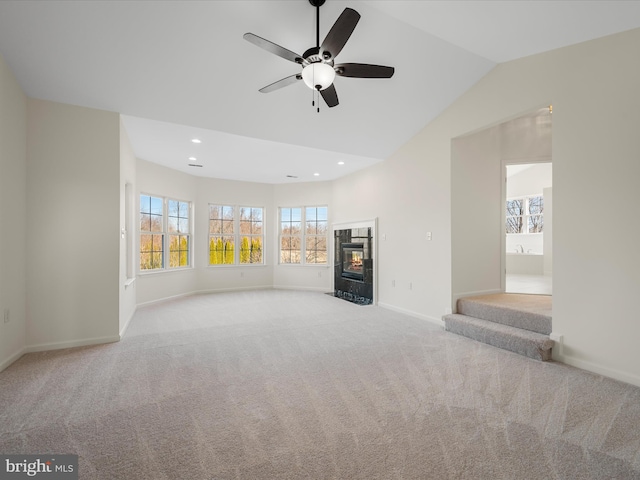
point(353, 265)
point(353, 261)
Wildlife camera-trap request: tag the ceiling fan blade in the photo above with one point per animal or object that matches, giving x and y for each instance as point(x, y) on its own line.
point(330, 95)
point(363, 70)
point(281, 83)
point(273, 48)
point(339, 33)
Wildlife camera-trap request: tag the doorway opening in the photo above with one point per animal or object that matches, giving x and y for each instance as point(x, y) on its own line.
point(528, 224)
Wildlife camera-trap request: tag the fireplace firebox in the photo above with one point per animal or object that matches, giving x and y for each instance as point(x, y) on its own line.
point(353, 261)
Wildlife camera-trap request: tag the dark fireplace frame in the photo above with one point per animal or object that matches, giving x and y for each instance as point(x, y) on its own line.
point(358, 290)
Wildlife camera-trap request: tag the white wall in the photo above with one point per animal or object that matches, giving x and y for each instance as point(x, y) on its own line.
point(410, 196)
point(161, 181)
point(156, 180)
point(593, 89)
point(228, 192)
point(531, 181)
point(13, 215)
point(547, 243)
point(476, 225)
point(73, 205)
point(309, 277)
point(128, 220)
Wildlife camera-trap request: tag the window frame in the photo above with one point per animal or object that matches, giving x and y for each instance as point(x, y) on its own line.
point(237, 235)
point(302, 236)
point(526, 215)
point(166, 234)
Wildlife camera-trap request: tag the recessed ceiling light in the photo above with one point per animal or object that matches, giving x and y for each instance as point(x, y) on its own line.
point(340, 163)
point(292, 176)
point(196, 140)
point(193, 159)
point(194, 165)
point(316, 174)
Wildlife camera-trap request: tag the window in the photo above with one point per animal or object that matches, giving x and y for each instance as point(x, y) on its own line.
point(151, 233)
point(230, 226)
point(250, 235)
point(525, 215)
point(154, 239)
point(312, 238)
point(178, 234)
point(316, 234)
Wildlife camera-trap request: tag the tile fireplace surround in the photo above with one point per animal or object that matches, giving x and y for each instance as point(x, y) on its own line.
point(353, 266)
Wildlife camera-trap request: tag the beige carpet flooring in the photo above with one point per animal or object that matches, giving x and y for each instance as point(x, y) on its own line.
point(293, 385)
point(539, 304)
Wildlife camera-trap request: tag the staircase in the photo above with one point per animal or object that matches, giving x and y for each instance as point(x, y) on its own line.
point(515, 322)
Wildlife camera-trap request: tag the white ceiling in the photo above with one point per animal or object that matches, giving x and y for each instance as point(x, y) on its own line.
point(181, 69)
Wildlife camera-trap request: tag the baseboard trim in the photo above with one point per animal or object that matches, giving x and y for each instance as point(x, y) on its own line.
point(126, 325)
point(4, 364)
point(74, 343)
point(598, 369)
point(411, 313)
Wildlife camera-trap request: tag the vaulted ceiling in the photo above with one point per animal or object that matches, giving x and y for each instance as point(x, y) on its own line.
point(178, 70)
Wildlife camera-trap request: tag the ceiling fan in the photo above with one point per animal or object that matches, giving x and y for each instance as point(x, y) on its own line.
point(318, 68)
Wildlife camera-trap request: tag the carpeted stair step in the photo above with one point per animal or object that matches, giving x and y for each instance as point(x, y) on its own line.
point(528, 312)
point(525, 342)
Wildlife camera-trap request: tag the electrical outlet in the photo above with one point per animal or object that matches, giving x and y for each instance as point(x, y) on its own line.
point(393, 283)
point(319, 274)
point(241, 274)
point(429, 236)
point(7, 317)
point(410, 286)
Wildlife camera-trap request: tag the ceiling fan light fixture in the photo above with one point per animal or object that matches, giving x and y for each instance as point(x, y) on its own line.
point(318, 75)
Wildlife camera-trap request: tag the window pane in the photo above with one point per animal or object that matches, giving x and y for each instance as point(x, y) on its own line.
point(221, 250)
point(145, 222)
point(227, 226)
point(514, 224)
point(156, 260)
point(145, 204)
point(215, 226)
point(183, 209)
point(536, 205)
point(156, 205)
point(311, 228)
point(145, 243)
point(145, 261)
point(535, 224)
point(183, 225)
point(256, 214)
point(157, 241)
point(156, 223)
point(256, 229)
point(174, 259)
point(214, 212)
point(322, 213)
point(515, 207)
point(251, 250)
point(227, 212)
point(173, 224)
point(173, 208)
